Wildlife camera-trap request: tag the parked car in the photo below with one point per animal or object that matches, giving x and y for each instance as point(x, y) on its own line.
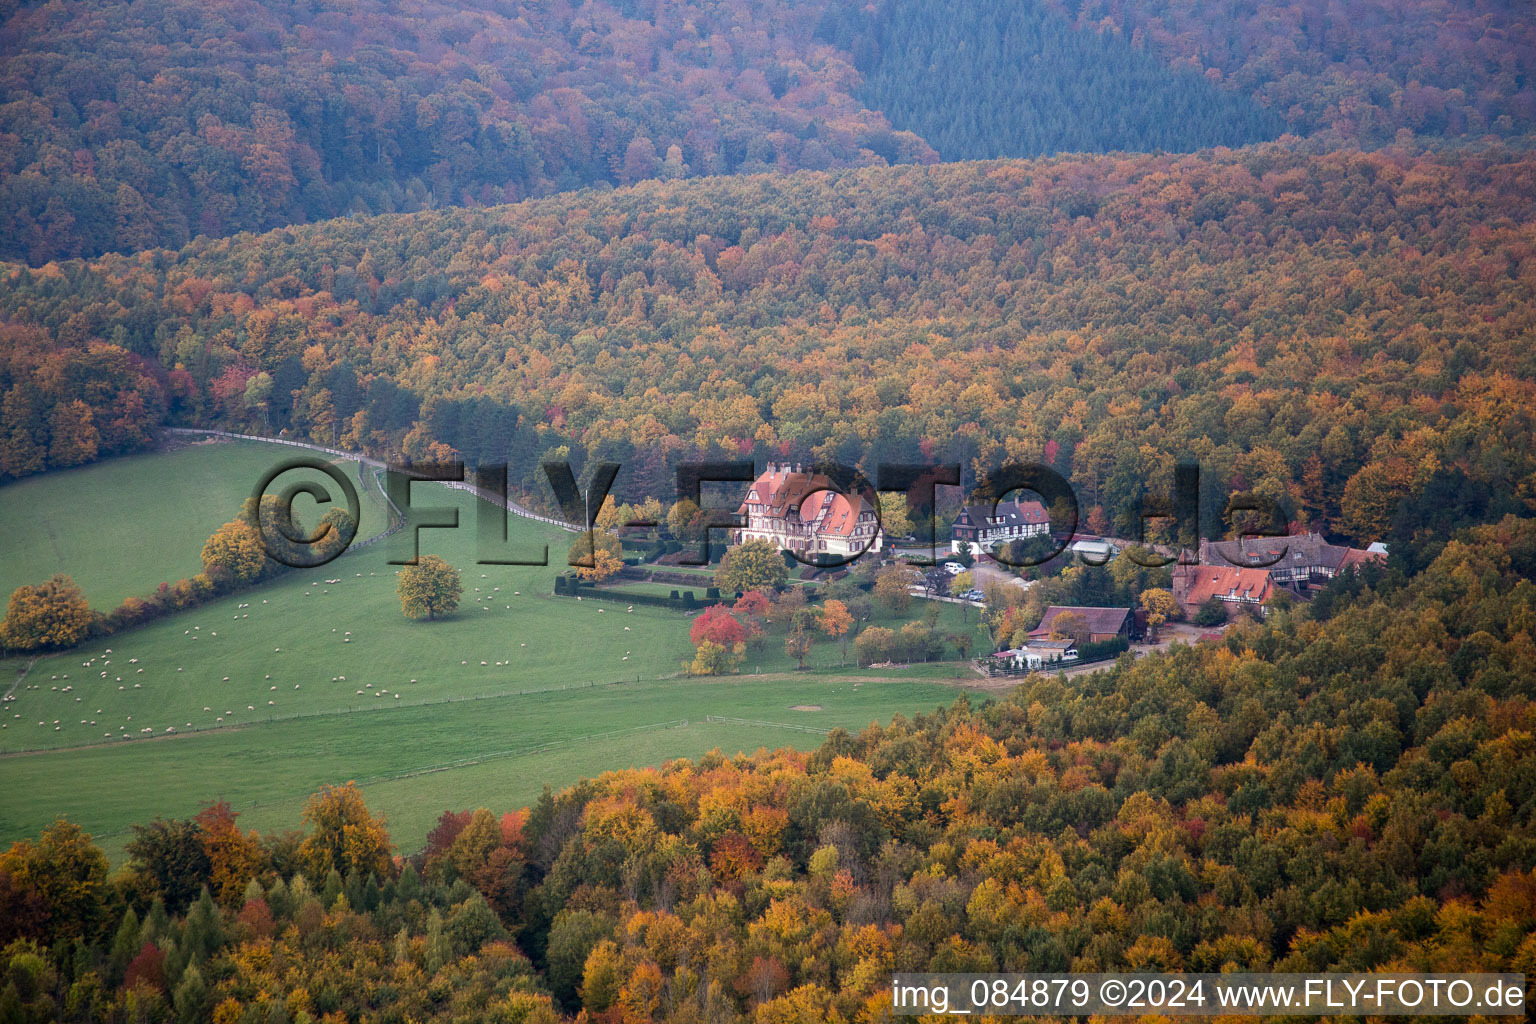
point(954, 568)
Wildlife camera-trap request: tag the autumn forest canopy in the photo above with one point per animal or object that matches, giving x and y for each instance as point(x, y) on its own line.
point(1290, 243)
point(1345, 333)
point(125, 126)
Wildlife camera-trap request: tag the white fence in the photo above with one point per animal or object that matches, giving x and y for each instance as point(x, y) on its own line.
point(507, 503)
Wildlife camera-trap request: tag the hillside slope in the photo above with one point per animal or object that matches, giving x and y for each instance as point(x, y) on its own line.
point(1340, 332)
point(126, 125)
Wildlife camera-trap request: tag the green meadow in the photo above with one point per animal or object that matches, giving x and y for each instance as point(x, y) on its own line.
point(314, 678)
point(122, 527)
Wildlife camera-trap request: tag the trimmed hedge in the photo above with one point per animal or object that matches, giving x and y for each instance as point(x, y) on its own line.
point(570, 586)
point(1102, 650)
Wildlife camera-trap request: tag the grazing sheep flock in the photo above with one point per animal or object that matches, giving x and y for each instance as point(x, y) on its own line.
point(154, 678)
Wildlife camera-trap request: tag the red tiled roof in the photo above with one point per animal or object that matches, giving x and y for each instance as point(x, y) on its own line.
point(1203, 582)
point(830, 514)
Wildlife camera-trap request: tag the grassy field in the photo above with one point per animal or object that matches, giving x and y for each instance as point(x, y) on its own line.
point(122, 527)
point(280, 689)
point(415, 761)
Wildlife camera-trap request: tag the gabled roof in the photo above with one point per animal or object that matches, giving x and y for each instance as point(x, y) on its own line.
point(1009, 513)
point(1296, 551)
point(1100, 620)
point(1203, 582)
point(784, 490)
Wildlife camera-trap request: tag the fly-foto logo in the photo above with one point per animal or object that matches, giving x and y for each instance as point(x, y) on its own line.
point(1180, 512)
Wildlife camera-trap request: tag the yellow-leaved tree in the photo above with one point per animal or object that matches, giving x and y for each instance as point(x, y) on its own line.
point(343, 834)
point(234, 554)
point(1160, 607)
point(50, 614)
point(429, 588)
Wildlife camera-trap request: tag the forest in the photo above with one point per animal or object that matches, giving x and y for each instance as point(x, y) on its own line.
point(1347, 786)
point(1348, 72)
point(131, 125)
point(126, 125)
point(997, 78)
point(1344, 333)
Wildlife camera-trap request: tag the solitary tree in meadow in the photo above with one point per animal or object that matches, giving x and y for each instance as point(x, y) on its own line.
point(429, 588)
